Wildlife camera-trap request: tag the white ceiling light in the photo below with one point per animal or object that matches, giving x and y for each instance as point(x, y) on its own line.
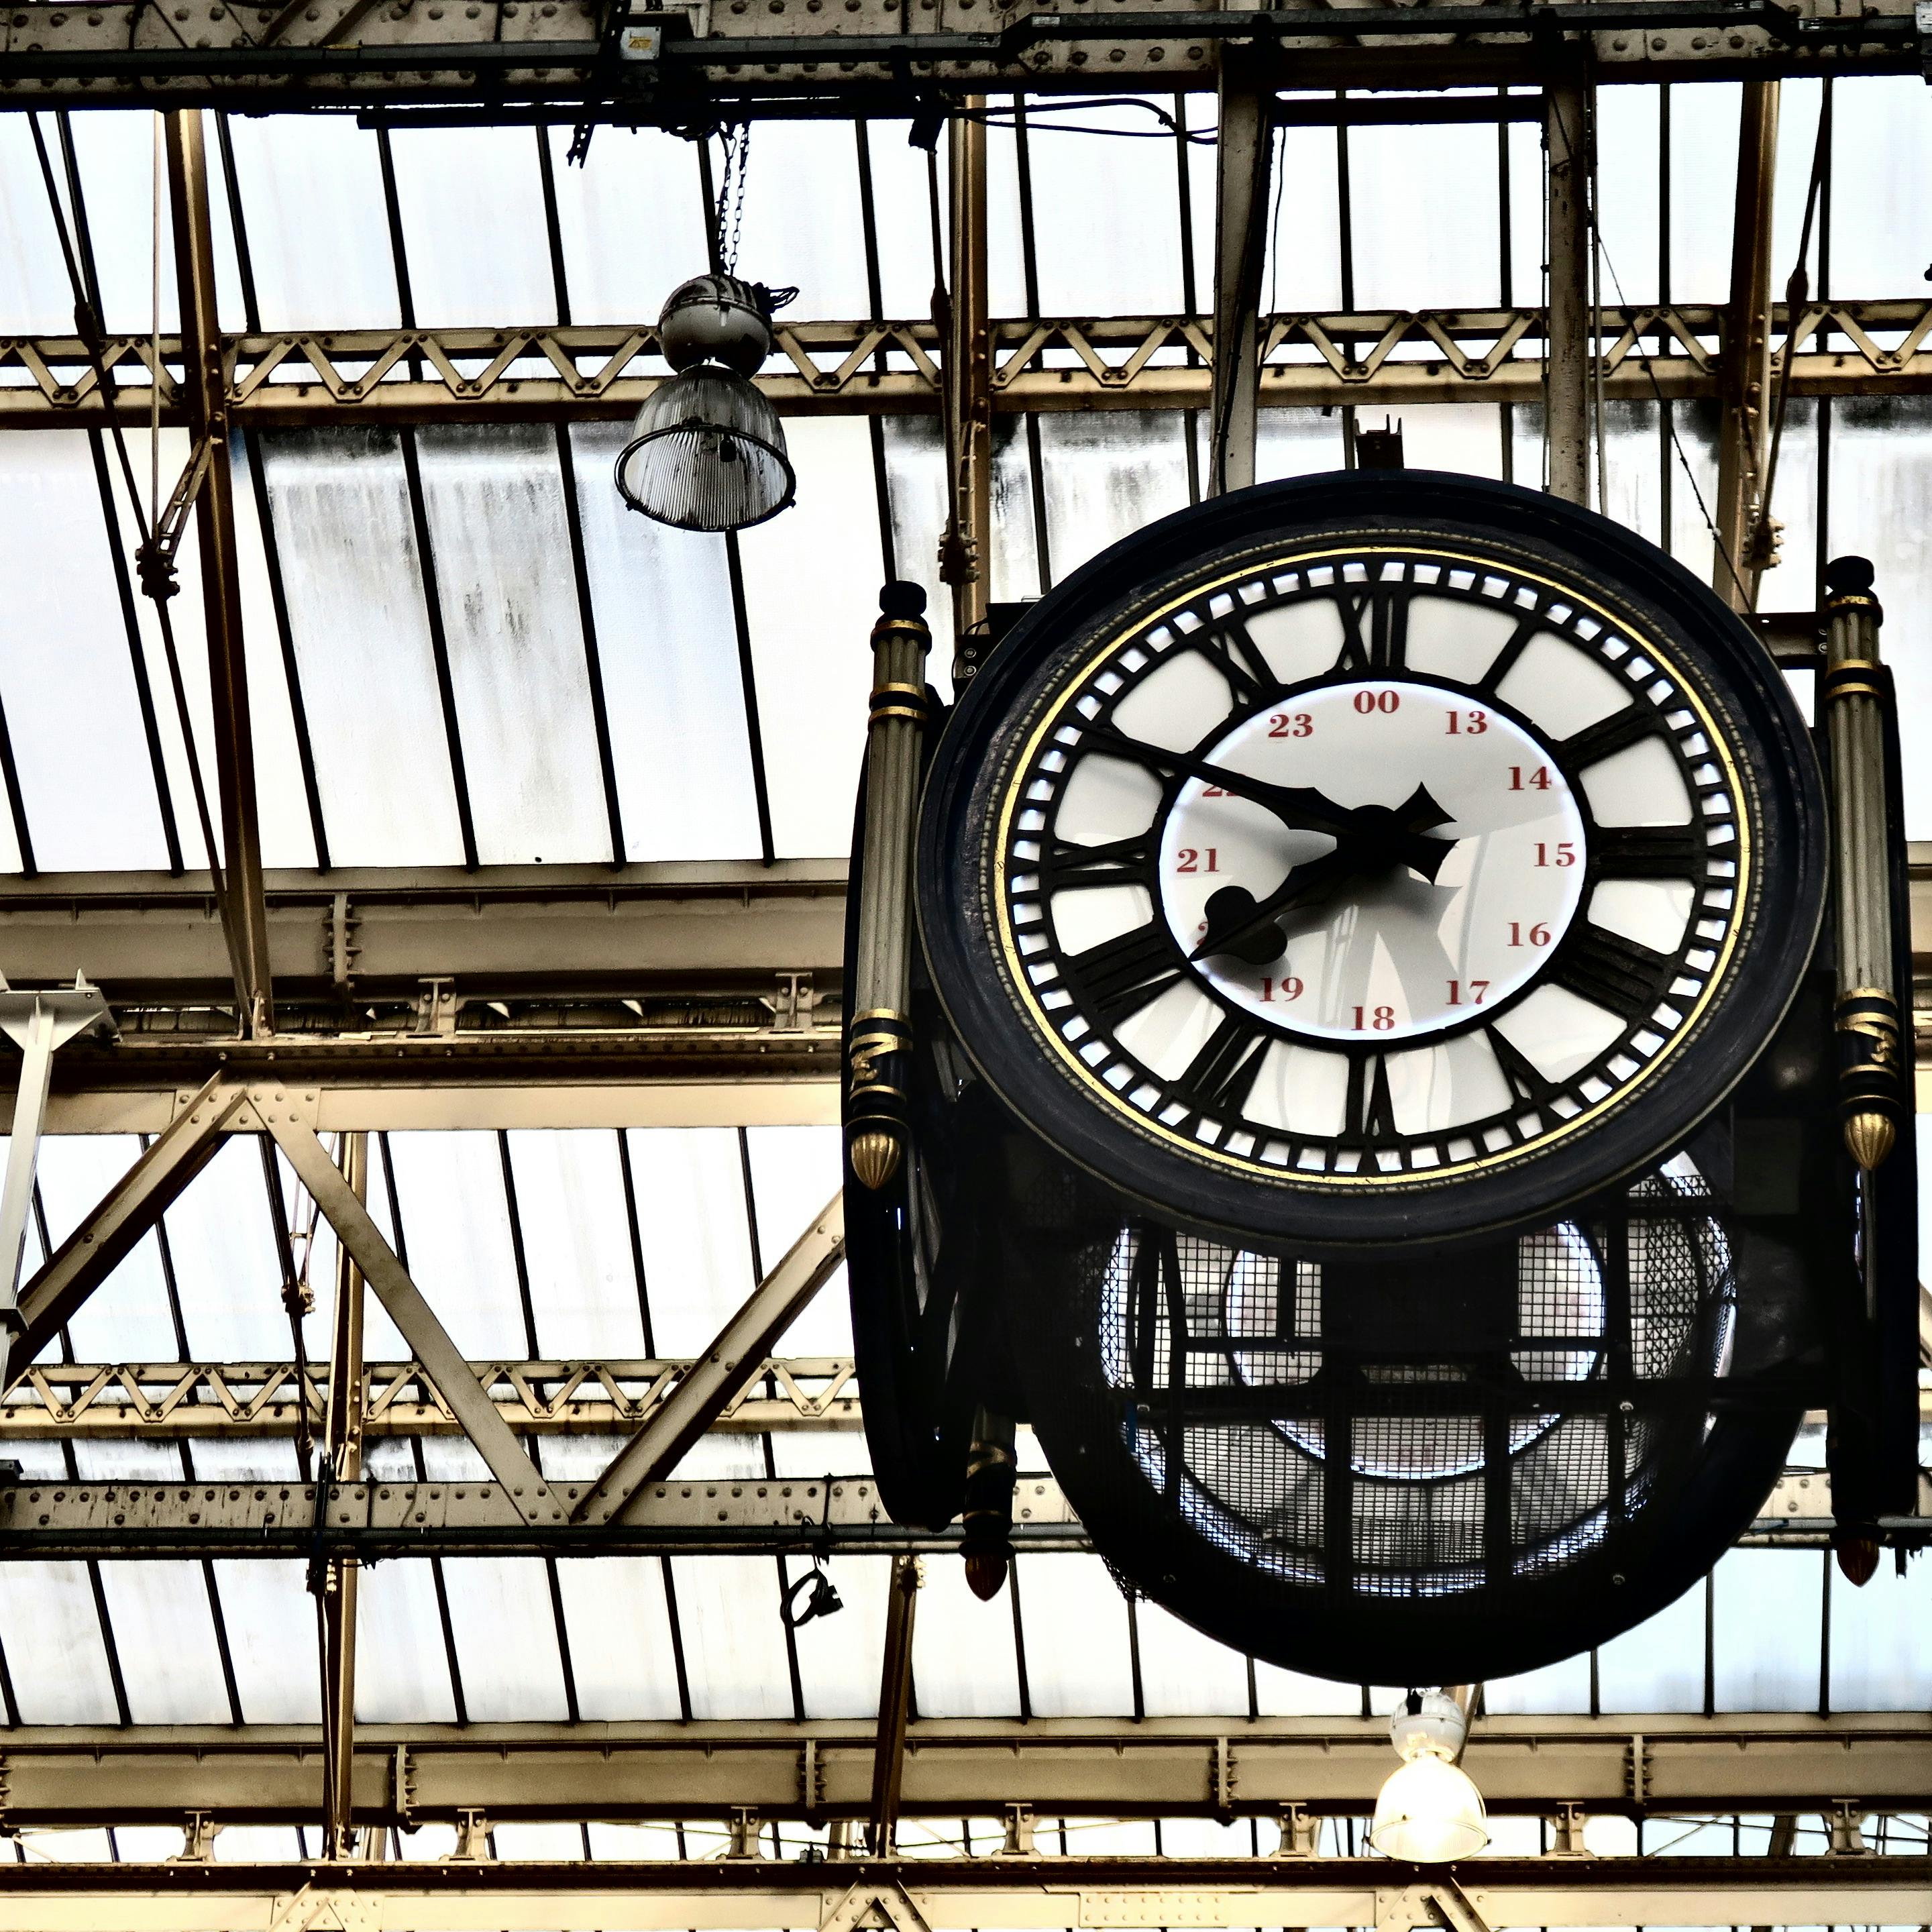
point(707, 451)
point(1429, 1812)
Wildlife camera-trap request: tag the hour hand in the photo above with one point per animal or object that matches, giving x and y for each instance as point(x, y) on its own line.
point(1240, 927)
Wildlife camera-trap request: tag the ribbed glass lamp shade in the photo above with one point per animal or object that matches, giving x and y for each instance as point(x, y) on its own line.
point(1428, 1813)
point(706, 453)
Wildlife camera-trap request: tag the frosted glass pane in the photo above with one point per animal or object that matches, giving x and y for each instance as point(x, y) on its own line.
point(734, 1650)
point(505, 1631)
point(811, 601)
point(164, 1634)
point(632, 221)
point(495, 500)
point(1882, 1640)
point(51, 1632)
point(1703, 194)
point(620, 1629)
point(356, 611)
point(916, 485)
point(690, 1224)
point(402, 1670)
point(1628, 119)
point(1881, 151)
point(116, 155)
point(270, 1618)
point(1287, 1693)
point(1463, 436)
point(668, 645)
point(1528, 282)
point(1425, 210)
point(1694, 476)
point(1297, 443)
point(1793, 585)
point(457, 1226)
point(802, 225)
point(1768, 1613)
point(1074, 1621)
point(126, 1318)
point(795, 1173)
point(1106, 213)
point(838, 1656)
point(1631, 460)
point(963, 1659)
point(577, 1243)
point(1005, 259)
point(229, 1276)
point(1799, 103)
point(1108, 474)
point(473, 229)
point(1183, 1673)
point(724, 1456)
point(1563, 1686)
point(35, 295)
point(318, 237)
point(1881, 501)
point(901, 209)
point(820, 1452)
point(65, 639)
point(1304, 270)
point(1660, 1665)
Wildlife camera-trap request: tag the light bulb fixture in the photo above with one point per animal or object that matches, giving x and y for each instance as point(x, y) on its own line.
point(1429, 1812)
point(707, 451)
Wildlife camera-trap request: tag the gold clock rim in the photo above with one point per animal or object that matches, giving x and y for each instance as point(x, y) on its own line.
point(1146, 1123)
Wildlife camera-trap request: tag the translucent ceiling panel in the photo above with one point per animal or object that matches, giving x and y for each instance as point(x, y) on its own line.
point(221, 1237)
point(964, 1661)
point(1304, 267)
point(497, 527)
point(1793, 585)
point(361, 630)
point(1881, 148)
point(1703, 192)
point(820, 1452)
point(457, 1224)
point(1463, 436)
point(692, 1230)
point(1106, 211)
point(1183, 1673)
point(1563, 1686)
point(577, 1243)
point(164, 1635)
point(311, 188)
point(474, 236)
point(667, 643)
point(1882, 1640)
point(1768, 1624)
point(505, 1632)
point(1426, 209)
point(902, 209)
point(35, 295)
point(65, 669)
point(734, 1648)
point(1198, 114)
point(619, 1623)
point(1628, 159)
point(1660, 1665)
point(127, 1318)
point(916, 484)
point(838, 1656)
point(802, 225)
point(722, 1456)
point(1694, 483)
point(1881, 501)
point(812, 600)
point(1074, 1625)
point(1289, 1693)
point(796, 1172)
point(1107, 474)
point(118, 153)
point(1527, 285)
point(631, 219)
point(1297, 443)
point(1006, 293)
point(1632, 461)
point(1797, 107)
point(1020, 572)
point(51, 1631)
point(402, 1669)
point(270, 1618)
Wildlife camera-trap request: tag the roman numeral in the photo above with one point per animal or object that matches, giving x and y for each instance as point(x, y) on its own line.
point(1375, 630)
point(1232, 652)
point(1610, 970)
point(1128, 862)
point(1607, 737)
point(1526, 1081)
point(1368, 1112)
point(1220, 1077)
point(1647, 852)
point(1120, 976)
point(1505, 661)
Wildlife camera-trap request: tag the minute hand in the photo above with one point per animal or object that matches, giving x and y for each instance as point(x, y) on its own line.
point(1300, 808)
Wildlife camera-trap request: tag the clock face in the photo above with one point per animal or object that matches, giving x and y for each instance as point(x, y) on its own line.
point(1358, 867)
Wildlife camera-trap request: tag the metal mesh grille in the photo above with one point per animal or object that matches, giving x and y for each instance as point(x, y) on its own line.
point(1288, 1416)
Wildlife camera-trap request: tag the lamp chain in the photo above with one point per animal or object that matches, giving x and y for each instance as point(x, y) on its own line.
point(737, 140)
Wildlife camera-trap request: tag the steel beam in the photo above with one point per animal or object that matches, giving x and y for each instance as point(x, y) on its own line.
point(1242, 167)
point(1572, 331)
point(747, 1894)
point(965, 553)
point(1629, 1765)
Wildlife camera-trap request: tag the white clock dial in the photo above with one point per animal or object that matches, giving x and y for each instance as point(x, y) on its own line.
point(1377, 867)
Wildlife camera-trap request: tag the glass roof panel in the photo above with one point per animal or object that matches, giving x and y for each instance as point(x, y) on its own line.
point(65, 635)
point(667, 643)
point(690, 1224)
point(221, 1240)
point(1287, 1693)
point(618, 1620)
point(1881, 1659)
point(474, 235)
point(118, 153)
point(819, 1452)
point(1425, 210)
point(55, 1658)
point(1074, 1623)
point(734, 1648)
point(1019, 571)
point(631, 220)
point(1007, 293)
point(1768, 1614)
point(724, 1455)
point(127, 1318)
point(1703, 194)
point(902, 208)
point(1465, 436)
point(838, 1656)
point(1628, 122)
point(1299, 443)
point(577, 1243)
point(1107, 473)
point(402, 1669)
point(457, 1224)
point(1183, 1673)
point(801, 220)
point(795, 1173)
point(1563, 1686)
point(1881, 147)
point(964, 1661)
point(1304, 268)
point(356, 607)
point(164, 1631)
point(505, 1632)
point(494, 496)
point(916, 486)
point(1660, 1665)
point(35, 295)
point(271, 1620)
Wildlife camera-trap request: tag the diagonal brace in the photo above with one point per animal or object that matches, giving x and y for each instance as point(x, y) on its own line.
point(725, 1370)
point(442, 1360)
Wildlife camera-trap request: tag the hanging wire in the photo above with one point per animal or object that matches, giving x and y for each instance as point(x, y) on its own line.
point(1597, 357)
point(154, 387)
